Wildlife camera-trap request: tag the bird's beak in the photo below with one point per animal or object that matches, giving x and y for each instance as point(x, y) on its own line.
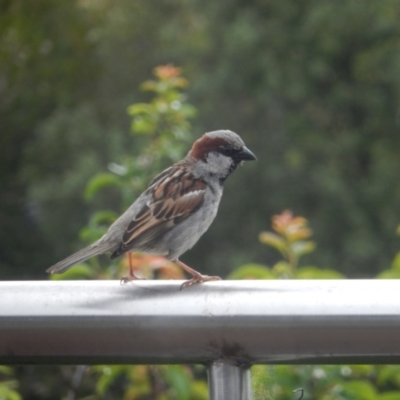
point(245, 155)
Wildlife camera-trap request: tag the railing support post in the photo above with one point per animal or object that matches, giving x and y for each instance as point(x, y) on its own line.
point(228, 382)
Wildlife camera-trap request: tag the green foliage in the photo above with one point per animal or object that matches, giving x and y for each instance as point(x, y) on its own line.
point(291, 240)
point(80, 271)
point(162, 130)
point(45, 63)
point(339, 382)
point(252, 271)
point(312, 86)
point(318, 273)
point(100, 181)
point(8, 385)
point(156, 382)
point(394, 271)
point(318, 105)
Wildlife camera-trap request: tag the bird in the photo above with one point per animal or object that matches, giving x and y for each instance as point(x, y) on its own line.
point(175, 210)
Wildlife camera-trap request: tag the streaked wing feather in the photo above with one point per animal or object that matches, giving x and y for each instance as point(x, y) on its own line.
point(176, 196)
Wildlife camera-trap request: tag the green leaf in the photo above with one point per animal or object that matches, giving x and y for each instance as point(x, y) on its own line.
point(102, 217)
point(282, 269)
point(396, 262)
point(301, 247)
point(149, 86)
point(273, 240)
point(198, 390)
point(317, 273)
point(78, 271)
point(143, 125)
point(6, 370)
point(389, 274)
point(261, 381)
point(99, 182)
point(109, 374)
point(188, 111)
point(91, 234)
point(252, 271)
point(389, 374)
point(140, 108)
point(97, 226)
point(363, 370)
point(178, 378)
point(7, 393)
point(389, 396)
point(359, 390)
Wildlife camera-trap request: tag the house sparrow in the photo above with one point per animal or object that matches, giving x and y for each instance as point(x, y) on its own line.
point(179, 205)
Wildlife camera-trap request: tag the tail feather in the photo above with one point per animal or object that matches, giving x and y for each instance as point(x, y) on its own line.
point(82, 255)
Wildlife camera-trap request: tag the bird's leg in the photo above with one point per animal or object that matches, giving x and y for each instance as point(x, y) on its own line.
point(131, 276)
point(197, 277)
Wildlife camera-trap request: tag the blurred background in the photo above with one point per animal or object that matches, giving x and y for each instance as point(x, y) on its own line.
point(313, 87)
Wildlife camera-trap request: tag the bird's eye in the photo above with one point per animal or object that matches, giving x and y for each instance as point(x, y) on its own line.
point(227, 151)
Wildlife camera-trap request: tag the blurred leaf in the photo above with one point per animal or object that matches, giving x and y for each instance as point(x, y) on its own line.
point(78, 271)
point(261, 382)
point(99, 182)
point(252, 271)
point(389, 274)
point(389, 374)
point(91, 234)
point(188, 110)
point(108, 375)
point(6, 370)
point(396, 262)
point(101, 217)
point(198, 390)
point(300, 248)
point(318, 273)
point(283, 269)
point(149, 86)
point(140, 108)
point(143, 124)
point(167, 72)
point(362, 370)
point(298, 234)
point(359, 390)
point(7, 393)
point(292, 228)
point(97, 226)
point(178, 378)
point(389, 396)
point(273, 240)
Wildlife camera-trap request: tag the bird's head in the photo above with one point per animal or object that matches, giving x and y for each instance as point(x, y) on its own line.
point(219, 153)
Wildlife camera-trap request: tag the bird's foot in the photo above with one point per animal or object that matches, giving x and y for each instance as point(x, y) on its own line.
point(199, 279)
point(130, 278)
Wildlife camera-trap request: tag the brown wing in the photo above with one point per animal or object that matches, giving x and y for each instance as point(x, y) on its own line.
point(176, 196)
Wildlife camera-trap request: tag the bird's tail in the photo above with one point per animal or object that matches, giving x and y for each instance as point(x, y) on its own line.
point(82, 255)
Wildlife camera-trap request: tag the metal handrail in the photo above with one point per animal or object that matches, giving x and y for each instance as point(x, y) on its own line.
point(229, 323)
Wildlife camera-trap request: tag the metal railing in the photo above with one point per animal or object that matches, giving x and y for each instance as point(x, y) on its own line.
point(227, 325)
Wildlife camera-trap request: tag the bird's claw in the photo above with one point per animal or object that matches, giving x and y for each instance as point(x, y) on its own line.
point(199, 279)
